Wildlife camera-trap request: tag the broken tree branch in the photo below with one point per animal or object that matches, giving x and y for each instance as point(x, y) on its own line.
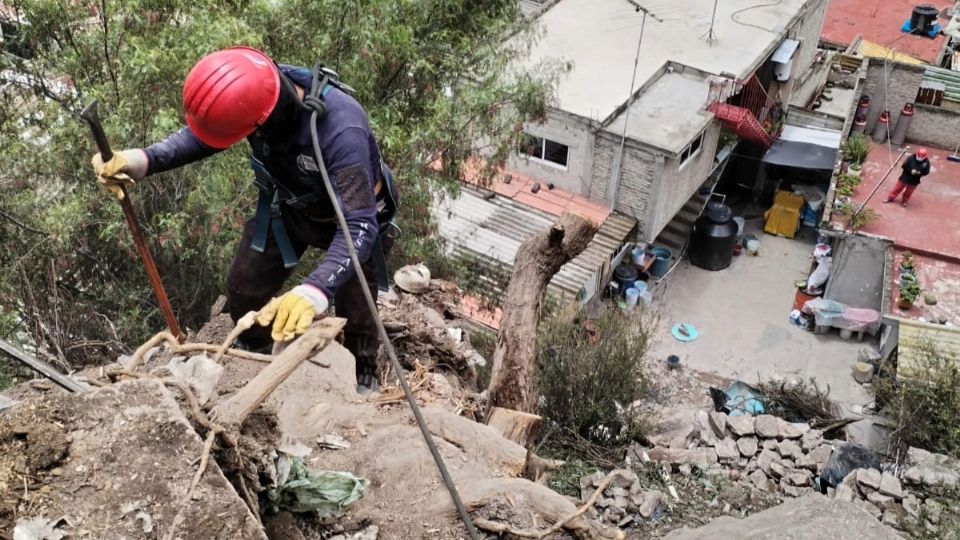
point(538, 259)
point(236, 409)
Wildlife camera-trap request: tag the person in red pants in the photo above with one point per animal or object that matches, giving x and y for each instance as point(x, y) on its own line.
point(914, 168)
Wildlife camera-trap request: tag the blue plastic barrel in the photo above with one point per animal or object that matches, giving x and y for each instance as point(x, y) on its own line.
point(661, 262)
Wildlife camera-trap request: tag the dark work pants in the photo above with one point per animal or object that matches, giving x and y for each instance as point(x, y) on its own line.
point(254, 278)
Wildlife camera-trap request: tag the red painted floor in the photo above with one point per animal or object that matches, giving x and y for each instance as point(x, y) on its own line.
point(930, 225)
point(879, 21)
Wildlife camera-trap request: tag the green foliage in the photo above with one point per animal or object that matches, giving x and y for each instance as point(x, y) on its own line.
point(924, 403)
point(432, 75)
point(864, 217)
point(591, 373)
point(910, 291)
point(856, 148)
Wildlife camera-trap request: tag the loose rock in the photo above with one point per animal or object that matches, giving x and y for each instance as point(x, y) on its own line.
point(911, 504)
point(878, 498)
point(786, 430)
point(767, 458)
point(795, 491)
point(868, 479)
point(770, 444)
point(870, 508)
point(777, 470)
point(821, 455)
point(747, 446)
point(893, 516)
point(718, 422)
point(845, 493)
point(676, 431)
point(931, 469)
point(651, 501)
point(890, 486)
point(741, 425)
point(766, 426)
point(798, 478)
point(624, 479)
point(701, 457)
point(727, 449)
point(789, 449)
point(811, 439)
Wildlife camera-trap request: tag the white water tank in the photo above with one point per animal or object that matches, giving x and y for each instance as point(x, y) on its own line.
point(783, 59)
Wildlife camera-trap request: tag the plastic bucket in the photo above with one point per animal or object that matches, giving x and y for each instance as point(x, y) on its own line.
point(753, 247)
point(631, 296)
point(640, 286)
point(646, 297)
point(661, 262)
point(637, 255)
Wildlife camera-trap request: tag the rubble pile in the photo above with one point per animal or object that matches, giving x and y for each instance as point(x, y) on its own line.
point(781, 459)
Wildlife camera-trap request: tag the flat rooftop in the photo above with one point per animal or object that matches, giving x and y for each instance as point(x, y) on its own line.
point(599, 38)
point(929, 225)
point(662, 116)
point(880, 22)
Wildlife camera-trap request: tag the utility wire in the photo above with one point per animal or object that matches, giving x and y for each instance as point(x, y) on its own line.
point(372, 306)
point(733, 16)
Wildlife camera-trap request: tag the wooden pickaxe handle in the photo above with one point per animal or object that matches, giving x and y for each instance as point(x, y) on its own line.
point(90, 115)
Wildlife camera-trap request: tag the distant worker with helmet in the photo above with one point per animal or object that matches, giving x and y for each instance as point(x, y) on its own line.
point(914, 168)
point(241, 93)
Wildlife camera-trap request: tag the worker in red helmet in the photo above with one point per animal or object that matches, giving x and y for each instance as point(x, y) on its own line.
point(240, 93)
point(914, 168)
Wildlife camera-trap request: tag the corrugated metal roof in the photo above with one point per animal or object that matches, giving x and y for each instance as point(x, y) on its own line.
point(917, 339)
point(948, 77)
point(490, 231)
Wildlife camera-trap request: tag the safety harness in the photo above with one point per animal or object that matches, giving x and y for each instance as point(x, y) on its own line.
point(268, 219)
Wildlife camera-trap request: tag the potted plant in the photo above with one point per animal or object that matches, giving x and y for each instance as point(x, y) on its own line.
point(842, 212)
point(908, 295)
point(844, 190)
point(856, 148)
point(855, 169)
point(863, 216)
point(907, 279)
point(906, 263)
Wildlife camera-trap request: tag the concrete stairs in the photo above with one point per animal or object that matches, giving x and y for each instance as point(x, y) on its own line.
point(677, 233)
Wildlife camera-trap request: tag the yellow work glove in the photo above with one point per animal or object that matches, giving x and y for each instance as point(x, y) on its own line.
point(293, 312)
point(123, 169)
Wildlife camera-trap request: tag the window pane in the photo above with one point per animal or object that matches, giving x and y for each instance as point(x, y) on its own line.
point(555, 152)
point(531, 146)
point(695, 145)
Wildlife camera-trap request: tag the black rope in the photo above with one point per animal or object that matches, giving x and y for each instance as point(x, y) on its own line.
point(312, 101)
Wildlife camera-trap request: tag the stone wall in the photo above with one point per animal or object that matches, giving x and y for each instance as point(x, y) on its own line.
point(577, 134)
point(935, 126)
point(890, 85)
point(641, 169)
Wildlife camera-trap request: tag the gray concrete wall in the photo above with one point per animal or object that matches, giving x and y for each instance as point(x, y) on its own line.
point(572, 131)
point(678, 183)
point(935, 126)
point(804, 79)
point(892, 83)
point(641, 170)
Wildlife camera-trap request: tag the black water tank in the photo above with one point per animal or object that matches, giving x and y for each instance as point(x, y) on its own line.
point(923, 17)
point(713, 238)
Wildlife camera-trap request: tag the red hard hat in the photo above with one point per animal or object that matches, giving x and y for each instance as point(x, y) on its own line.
point(230, 93)
point(922, 153)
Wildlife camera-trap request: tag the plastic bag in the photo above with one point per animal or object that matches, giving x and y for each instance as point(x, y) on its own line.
point(844, 460)
point(327, 493)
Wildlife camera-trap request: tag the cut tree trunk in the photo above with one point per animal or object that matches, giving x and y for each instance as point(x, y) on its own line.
point(236, 409)
point(520, 427)
point(538, 259)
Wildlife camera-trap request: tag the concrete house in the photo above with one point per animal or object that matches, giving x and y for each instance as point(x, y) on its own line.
point(640, 129)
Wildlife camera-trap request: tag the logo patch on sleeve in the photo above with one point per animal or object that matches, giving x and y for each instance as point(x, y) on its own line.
point(307, 164)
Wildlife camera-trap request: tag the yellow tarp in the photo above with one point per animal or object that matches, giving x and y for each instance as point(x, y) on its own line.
point(875, 50)
point(784, 216)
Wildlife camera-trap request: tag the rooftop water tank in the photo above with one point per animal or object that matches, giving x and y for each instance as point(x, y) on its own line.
point(713, 238)
point(922, 18)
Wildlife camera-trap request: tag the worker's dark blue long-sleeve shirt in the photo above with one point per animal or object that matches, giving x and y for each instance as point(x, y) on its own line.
point(352, 160)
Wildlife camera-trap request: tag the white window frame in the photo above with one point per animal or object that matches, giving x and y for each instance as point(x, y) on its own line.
point(543, 152)
point(688, 152)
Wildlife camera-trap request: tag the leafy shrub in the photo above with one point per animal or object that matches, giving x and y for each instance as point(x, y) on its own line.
point(924, 403)
point(856, 148)
point(591, 372)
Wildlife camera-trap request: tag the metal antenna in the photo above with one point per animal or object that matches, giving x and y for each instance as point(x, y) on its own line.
point(638, 8)
point(710, 34)
point(615, 177)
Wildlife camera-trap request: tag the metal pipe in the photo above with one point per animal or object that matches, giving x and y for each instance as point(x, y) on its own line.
point(42, 368)
point(880, 183)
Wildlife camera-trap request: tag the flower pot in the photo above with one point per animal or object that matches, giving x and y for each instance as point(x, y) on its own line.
point(904, 304)
point(854, 170)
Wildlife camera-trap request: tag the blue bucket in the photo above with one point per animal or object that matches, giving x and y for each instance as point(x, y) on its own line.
point(640, 286)
point(662, 261)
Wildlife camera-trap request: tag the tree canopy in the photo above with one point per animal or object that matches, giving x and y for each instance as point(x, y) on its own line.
point(434, 76)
